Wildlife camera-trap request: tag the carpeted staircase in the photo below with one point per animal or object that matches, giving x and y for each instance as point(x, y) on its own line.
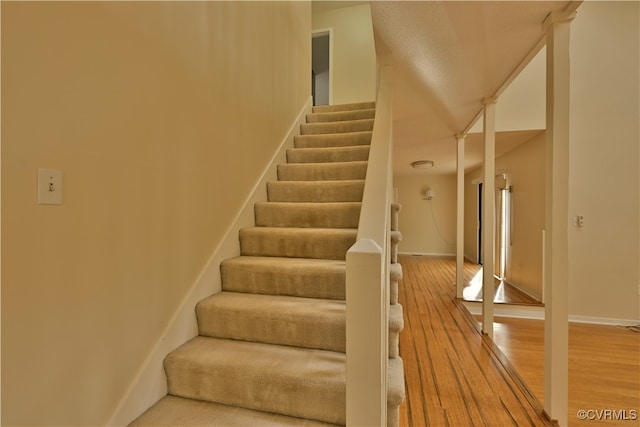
point(271, 345)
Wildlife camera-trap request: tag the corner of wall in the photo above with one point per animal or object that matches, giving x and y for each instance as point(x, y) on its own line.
point(150, 384)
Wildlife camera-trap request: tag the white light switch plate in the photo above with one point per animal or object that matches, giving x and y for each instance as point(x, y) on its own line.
point(49, 187)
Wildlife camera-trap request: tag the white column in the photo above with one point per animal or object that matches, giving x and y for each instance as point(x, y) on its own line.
point(488, 215)
point(556, 274)
point(460, 217)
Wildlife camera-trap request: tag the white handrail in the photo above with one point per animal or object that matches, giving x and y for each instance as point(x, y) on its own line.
point(367, 278)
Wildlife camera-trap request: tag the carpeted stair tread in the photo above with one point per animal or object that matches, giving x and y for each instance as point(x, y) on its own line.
point(310, 278)
point(291, 381)
point(344, 107)
point(322, 171)
point(178, 411)
point(333, 140)
point(307, 215)
point(274, 319)
point(328, 154)
point(323, 243)
point(316, 191)
point(337, 116)
point(284, 320)
point(336, 127)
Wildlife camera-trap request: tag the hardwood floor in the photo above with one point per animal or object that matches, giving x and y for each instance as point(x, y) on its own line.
point(604, 366)
point(454, 377)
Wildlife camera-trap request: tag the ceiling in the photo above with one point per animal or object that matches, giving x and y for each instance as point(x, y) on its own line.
point(448, 56)
point(324, 5)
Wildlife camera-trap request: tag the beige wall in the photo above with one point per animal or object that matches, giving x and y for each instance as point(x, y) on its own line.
point(161, 117)
point(522, 105)
point(604, 145)
point(427, 227)
point(525, 166)
point(354, 58)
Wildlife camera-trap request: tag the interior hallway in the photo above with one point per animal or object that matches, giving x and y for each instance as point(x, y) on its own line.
point(441, 348)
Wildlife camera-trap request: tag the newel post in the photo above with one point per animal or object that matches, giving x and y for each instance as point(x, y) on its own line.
point(367, 349)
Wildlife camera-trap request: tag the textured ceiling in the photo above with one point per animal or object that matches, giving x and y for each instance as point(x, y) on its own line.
point(447, 57)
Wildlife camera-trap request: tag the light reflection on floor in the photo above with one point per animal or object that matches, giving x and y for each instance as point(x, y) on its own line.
point(504, 293)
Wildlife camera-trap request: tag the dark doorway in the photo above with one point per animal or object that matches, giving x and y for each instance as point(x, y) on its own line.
point(320, 68)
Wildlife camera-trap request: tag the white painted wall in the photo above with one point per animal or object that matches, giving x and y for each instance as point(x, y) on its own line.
point(354, 58)
point(160, 119)
point(427, 227)
point(604, 144)
point(522, 105)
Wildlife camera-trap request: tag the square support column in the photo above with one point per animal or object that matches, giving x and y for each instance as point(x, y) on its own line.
point(460, 139)
point(556, 272)
point(488, 215)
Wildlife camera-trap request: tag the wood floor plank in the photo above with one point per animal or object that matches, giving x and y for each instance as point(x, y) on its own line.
point(457, 377)
point(604, 369)
point(452, 377)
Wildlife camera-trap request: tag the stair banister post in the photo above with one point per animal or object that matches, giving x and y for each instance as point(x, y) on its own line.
point(366, 321)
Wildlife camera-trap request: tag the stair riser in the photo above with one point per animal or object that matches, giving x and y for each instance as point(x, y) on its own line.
point(393, 292)
point(396, 325)
point(326, 281)
point(328, 155)
point(337, 116)
point(177, 411)
point(333, 140)
point(322, 171)
point(313, 215)
point(264, 242)
point(336, 127)
point(318, 325)
point(344, 107)
point(337, 191)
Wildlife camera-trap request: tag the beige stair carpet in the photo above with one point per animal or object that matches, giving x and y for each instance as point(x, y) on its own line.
point(271, 345)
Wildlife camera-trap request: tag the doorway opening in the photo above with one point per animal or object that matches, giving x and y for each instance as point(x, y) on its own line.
point(321, 67)
point(503, 228)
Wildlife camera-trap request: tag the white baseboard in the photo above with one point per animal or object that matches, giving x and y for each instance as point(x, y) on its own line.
point(537, 313)
point(604, 321)
point(150, 384)
point(424, 254)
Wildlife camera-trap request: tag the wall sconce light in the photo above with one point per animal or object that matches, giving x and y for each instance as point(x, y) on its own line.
point(428, 193)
